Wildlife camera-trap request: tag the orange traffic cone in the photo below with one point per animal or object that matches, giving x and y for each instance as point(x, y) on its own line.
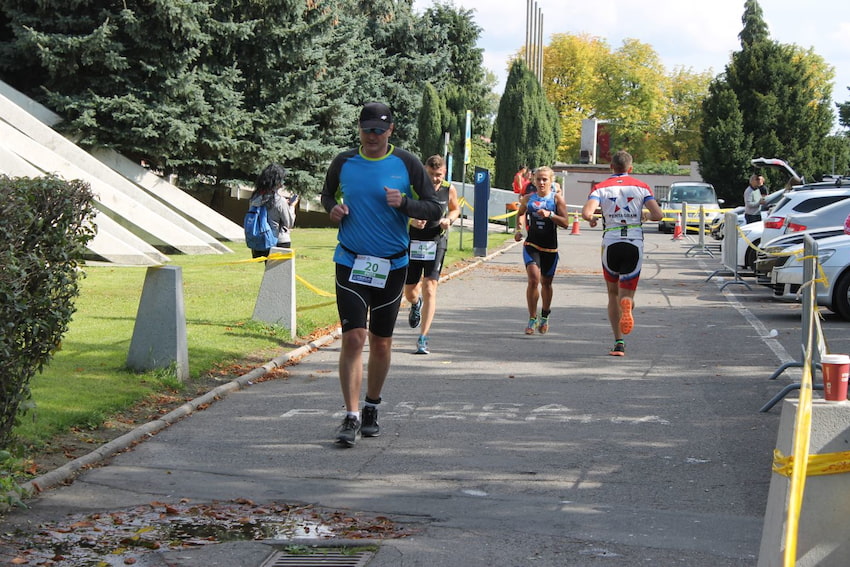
point(677, 232)
point(576, 228)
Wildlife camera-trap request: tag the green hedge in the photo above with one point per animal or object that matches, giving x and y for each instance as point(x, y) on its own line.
point(46, 225)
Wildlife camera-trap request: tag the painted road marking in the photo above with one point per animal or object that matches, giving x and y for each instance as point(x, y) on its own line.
point(497, 413)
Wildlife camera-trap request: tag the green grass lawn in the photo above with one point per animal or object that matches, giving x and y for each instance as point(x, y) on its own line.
point(86, 382)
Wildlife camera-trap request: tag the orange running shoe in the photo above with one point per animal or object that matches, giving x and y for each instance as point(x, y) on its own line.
point(619, 349)
point(627, 321)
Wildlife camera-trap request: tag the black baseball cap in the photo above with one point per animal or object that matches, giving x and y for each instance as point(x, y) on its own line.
point(376, 115)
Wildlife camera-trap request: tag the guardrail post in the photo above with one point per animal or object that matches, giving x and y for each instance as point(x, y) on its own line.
point(159, 335)
point(729, 252)
point(276, 298)
point(810, 263)
point(700, 245)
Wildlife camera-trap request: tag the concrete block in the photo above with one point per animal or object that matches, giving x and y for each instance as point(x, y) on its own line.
point(824, 528)
point(159, 336)
point(276, 298)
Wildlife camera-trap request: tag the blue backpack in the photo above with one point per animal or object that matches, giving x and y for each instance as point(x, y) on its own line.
point(258, 233)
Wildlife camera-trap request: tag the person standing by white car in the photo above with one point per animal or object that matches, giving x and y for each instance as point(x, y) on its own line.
point(753, 199)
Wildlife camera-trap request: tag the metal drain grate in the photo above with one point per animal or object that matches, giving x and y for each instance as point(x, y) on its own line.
point(325, 557)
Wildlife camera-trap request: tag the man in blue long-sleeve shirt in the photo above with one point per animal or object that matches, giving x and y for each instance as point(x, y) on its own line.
point(371, 191)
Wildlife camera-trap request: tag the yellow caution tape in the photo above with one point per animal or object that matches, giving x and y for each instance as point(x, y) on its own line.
point(762, 250)
point(821, 276)
point(281, 256)
point(462, 202)
point(506, 215)
point(275, 256)
point(694, 210)
point(802, 442)
point(817, 465)
point(821, 273)
point(313, 288)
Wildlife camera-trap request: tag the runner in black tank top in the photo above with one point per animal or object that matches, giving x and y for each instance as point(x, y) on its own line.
point(539, 215)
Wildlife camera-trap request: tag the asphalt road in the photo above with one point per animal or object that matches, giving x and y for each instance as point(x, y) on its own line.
point(505, 449)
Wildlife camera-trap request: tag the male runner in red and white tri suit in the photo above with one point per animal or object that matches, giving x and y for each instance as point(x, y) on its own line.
point(622, 199)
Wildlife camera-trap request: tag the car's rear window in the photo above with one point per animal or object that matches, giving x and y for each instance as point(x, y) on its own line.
point(809, 205)
point(801, 203)
point(781, 204)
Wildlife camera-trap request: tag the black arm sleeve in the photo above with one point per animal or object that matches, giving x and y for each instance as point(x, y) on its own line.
point(426, 207)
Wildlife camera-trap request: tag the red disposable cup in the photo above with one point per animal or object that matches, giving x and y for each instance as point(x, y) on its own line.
point(836, 369)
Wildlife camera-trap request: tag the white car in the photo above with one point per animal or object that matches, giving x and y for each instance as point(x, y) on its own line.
point(799, 200)
point(829, 215)
point(805, 199)
point(834, 258)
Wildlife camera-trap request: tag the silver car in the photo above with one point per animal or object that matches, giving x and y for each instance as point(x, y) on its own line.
point(773, 252)
point(834, 259)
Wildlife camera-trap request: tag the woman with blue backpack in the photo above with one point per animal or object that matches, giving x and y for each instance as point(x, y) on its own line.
point(271, 213)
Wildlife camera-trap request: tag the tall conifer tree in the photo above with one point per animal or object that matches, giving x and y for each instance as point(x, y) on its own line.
point(783, 97)
point(430, 124)
point(725, 150)
point(526, 129)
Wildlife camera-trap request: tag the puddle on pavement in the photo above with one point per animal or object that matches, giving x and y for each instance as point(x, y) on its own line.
point(125, 537)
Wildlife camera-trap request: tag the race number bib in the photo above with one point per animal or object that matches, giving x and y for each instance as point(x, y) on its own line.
point(424, 250)
point(370, 270)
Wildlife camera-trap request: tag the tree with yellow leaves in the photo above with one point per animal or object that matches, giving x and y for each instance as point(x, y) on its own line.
point(652, 113)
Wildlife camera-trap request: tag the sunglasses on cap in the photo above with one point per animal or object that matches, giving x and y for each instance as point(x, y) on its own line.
point(377, 131)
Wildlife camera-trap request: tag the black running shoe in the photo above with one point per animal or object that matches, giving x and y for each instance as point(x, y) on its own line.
point(415, 315)
point(347, 433)
point(619, 349)
point(370, 427)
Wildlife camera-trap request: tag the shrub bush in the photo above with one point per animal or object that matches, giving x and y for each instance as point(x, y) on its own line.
point(47, 223)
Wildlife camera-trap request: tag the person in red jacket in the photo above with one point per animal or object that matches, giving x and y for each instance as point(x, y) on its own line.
point(520, 179)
